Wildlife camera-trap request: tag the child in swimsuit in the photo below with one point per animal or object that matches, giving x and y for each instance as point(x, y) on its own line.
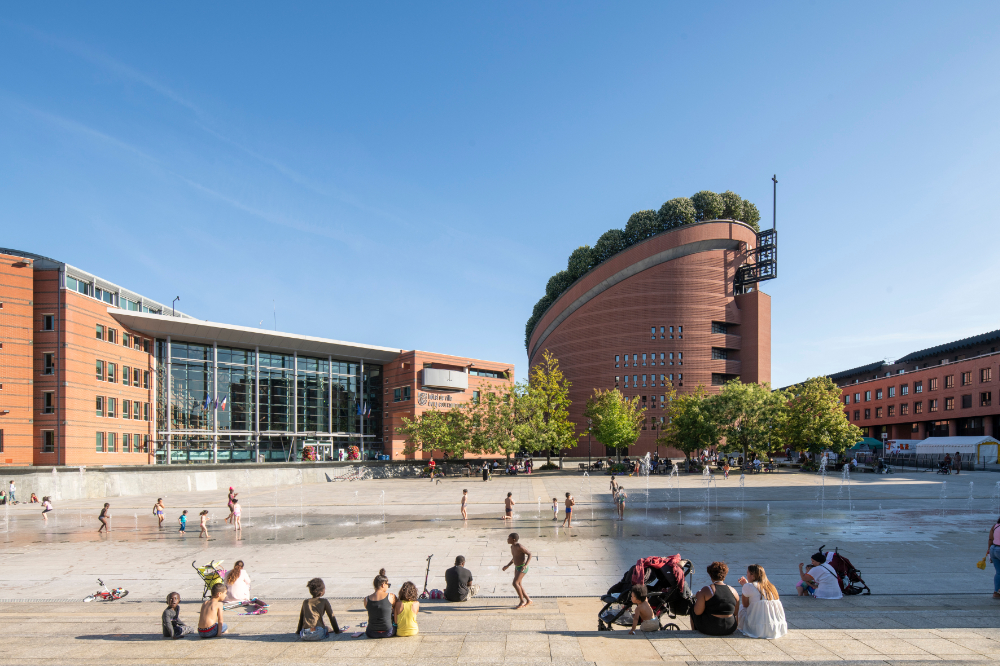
point(555, 509)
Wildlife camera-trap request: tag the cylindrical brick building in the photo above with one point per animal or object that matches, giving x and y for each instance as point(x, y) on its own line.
point(663, 308)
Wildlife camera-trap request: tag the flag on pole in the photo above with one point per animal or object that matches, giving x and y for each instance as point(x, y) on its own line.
point(208, 401)
point(222, 405)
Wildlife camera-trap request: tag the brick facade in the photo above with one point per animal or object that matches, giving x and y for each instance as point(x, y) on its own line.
point(404, 374)
point(660, 297)
point(16, 377)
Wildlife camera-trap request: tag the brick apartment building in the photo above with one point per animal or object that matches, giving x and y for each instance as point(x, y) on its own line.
point(94, 374)
point(942, 391)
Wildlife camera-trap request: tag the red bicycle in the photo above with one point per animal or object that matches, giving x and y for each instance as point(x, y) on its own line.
point(106, 594)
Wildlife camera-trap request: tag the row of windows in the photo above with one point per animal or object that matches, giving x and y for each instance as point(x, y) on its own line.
point(666, 358)
point(402, 394)
point(109, 297)
point(109, 334)
point(131, 409)
point(490, 374)
point(985, 375)
point(181, 352)
point(107, 442)
point(652, 380)
point(985, 400)
point(665, 331)
point(130, 376)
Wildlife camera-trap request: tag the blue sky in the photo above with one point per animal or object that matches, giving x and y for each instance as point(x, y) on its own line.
point(410, 175)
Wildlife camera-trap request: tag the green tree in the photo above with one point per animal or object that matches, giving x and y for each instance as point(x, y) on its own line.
point(707, 205)
point(615, 419)
point(675, 213)
point(493, 424)
point(816, 419)
point(732, 206)
point(751, 215)
point(750, 416)
point(543, 413)
point(580, 261)
point(433, 430)
point(692, 425)
point(540, 307)
point(557, 284)
point(642, 225)
point(609, 244)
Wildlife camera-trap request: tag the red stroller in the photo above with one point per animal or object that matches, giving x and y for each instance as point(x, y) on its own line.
point(848, 576)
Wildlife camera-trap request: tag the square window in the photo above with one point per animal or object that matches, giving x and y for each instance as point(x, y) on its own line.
point(985, 374)
point(967, 378)
point(986, 398)
point(966, 401)
point(878, 412)
point(918, 387)
point(857, 414)
point(48, 441)
point(932, 384)
point(949, 404)
point(918, 407)
point(48, 322)
point(878, 394)
point(904, 409)
point(904, 389)
point(892, 411)
point(949, 381)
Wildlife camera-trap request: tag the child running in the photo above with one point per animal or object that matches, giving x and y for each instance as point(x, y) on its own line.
point(508, 508)
point(520, 557)
point(104, 518)
point(311, 626)
point(173, 627)
point(204, 523)
point(210, 624)
point(158, 510)
point(183, 522)
point(465, 501)
point(620, 501)
point(555, 509)
point(568, 520)
point(46, 507)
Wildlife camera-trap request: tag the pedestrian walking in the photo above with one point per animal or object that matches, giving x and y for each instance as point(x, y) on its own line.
point(520, 558)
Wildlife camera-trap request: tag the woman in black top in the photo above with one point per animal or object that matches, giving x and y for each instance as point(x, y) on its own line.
point(716, 606)
point(379, 606)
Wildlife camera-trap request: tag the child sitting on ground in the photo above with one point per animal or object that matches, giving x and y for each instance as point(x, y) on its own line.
point(210, 624)
point(34, 499)
point(803, 588)
point(173, 627)
point(642, 614)
point(311, 626)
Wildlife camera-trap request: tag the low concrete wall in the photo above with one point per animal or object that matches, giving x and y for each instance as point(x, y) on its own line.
point(67, 483)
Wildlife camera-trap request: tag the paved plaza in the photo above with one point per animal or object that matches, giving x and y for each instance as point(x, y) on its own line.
point(915, 537)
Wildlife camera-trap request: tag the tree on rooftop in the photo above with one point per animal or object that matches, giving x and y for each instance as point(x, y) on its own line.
point(707, 205)
point(675, 213)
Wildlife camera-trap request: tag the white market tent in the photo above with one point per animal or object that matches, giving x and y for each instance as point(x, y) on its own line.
point(981, 449)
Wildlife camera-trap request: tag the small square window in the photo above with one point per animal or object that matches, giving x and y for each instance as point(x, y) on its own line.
point(904, 389)
point(966, 401)
point(892, 411)
point(985, 375)
point(878, 394)
point(967, 378)
point(949, 381)
point(985, 398)
point(949, 404)
point(918, 407)
point(933, 405)
point(904, 409)
point(918, 387)
point(878, 412)
point(857, 414)
point(48, 322)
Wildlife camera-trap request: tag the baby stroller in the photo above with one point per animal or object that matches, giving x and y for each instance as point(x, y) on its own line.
point(848, 576)
point(668, 594)
point(210, 574)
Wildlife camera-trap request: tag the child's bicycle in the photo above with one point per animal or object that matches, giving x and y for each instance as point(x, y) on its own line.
point(106, 594)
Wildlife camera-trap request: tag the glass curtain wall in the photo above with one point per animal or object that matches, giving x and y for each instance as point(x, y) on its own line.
point(324, 403)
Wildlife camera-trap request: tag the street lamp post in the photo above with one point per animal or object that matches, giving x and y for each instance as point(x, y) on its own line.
point(173, 306)
point(590, 444)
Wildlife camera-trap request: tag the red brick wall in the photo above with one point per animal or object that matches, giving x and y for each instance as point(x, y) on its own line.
point(899, 426)
point(405, 371)
point(16, 294)
point(755, 331)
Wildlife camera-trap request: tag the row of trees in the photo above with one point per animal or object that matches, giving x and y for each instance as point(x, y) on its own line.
point(533, 416)
point(704, 205)
point(740, 418)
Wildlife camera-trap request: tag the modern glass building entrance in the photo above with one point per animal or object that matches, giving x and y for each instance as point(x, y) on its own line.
point(230, 404)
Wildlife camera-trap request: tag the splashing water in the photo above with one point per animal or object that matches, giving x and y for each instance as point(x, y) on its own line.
point(846, 479)
point(357, 508)
point(972, 496)
point(539, 516)
point(675, 477)
point(707, 476)
point(996, 496)
point(822, 492)
point(944, 495)
point(382, 502)
point(136, 516)
point(743, 491)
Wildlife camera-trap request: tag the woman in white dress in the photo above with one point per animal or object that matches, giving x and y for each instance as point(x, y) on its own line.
point(763, 615)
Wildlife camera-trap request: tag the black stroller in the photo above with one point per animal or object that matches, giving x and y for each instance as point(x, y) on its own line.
point(669, 596)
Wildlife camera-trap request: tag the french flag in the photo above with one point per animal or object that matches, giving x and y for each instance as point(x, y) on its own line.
point(222, 405)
